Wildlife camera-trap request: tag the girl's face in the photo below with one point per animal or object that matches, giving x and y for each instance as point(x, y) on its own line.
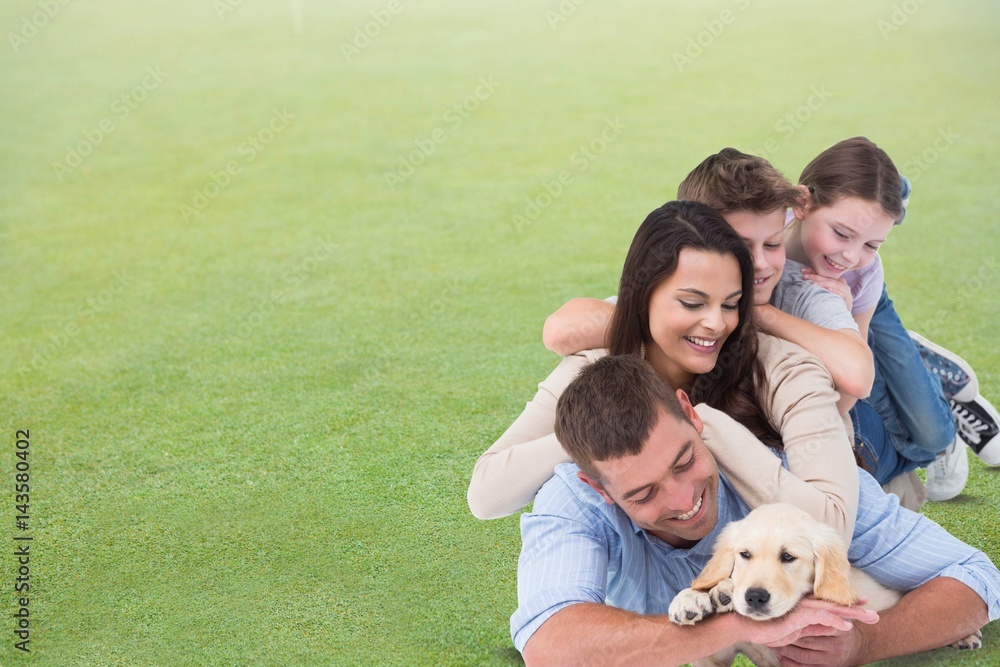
point(692, 313)
point(844, 235)
point(764, 236)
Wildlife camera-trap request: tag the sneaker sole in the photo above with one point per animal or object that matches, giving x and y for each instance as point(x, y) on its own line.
point(989, 453)
point(938, 491)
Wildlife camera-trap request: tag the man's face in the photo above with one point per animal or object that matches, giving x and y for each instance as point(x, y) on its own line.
point(670, 488)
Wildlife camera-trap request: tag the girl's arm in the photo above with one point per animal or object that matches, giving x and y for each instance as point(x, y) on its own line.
point(579, 324)
point(822, 476)
point(508, 475)
point(843, 351)
point(863, 319)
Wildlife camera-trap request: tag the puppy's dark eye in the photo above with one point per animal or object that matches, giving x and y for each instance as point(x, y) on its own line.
point(787, 557)
point(745, 555)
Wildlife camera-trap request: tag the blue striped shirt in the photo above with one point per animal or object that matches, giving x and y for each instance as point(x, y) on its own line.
point(577, 548)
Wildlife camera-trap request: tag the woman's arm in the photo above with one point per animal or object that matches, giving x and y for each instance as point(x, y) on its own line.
point(843, 351)
point(508, 475)
point(822, 476)
point(579, 324)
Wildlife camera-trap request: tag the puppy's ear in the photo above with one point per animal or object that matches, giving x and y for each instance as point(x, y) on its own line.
point(833, 572)
point(719, 567)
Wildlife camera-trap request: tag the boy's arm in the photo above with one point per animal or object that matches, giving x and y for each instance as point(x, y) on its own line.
point(596, 634)
point(579, 324)
point(843, 351)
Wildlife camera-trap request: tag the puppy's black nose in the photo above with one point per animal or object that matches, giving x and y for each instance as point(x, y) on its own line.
point(757, 598)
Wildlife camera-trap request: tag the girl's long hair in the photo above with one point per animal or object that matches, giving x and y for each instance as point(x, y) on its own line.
point(736, 385)
point(855, 167)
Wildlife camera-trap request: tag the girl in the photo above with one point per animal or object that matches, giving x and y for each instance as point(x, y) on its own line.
point(685, 303)
point(852, 197)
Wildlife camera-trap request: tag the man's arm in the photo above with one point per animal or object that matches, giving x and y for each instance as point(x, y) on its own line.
point(936, 614)
point(595, 634)
point(954, 589)
point(579, 324)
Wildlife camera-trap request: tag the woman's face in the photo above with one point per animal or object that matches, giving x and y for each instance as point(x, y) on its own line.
point(844, 235)
point(692, 313)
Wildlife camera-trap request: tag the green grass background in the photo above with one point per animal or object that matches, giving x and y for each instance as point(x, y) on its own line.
point(252, 428)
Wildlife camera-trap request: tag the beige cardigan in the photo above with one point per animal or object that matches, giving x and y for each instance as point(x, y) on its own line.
point(802, 406)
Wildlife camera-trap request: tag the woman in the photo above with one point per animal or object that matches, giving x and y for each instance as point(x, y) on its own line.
point(685, 303)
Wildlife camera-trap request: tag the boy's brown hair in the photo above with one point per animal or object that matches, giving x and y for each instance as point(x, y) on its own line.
point(732, 181)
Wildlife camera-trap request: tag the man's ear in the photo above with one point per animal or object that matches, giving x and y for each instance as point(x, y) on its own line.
point(595, 485)
point(689, 410)
point(805, 202)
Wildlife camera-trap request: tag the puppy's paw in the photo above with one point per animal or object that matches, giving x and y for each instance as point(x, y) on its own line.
point(975, 640)
point(722, 596)
point(689, 607)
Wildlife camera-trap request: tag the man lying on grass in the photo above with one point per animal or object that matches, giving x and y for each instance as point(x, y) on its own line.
point(614, 537)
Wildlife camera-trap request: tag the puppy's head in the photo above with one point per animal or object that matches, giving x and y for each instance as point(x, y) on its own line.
point(776, 555)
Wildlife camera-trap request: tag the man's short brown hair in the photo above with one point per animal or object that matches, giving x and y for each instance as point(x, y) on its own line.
point(731, 181)
point(608, 411)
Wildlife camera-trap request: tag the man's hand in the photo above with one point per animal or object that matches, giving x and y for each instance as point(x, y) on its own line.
point(811, 619)
point(836, 285)
point(838, 649)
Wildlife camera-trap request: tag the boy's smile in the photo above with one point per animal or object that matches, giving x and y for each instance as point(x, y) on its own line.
point(763, 234)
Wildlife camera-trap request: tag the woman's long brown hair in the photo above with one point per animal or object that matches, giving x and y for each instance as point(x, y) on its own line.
point(736, 385)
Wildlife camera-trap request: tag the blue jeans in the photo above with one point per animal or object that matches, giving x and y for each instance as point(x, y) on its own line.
point(906, 421)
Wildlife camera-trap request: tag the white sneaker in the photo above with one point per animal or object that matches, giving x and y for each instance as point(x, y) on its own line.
point(947, 475)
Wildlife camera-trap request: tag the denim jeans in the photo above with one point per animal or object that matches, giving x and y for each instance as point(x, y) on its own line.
point(914, 421)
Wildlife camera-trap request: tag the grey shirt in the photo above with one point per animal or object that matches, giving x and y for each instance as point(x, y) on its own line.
point(808, 301)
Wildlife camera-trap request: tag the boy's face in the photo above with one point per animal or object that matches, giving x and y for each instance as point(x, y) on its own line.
point(844, 235)
point(764, 237)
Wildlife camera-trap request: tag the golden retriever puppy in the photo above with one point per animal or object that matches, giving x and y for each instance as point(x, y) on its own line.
point(765, 563)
